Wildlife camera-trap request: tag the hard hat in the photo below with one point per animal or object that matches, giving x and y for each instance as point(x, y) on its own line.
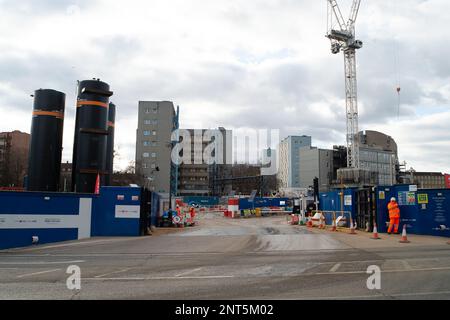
point(393, 199)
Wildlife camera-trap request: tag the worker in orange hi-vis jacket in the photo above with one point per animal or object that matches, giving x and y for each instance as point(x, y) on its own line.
point(394, 216)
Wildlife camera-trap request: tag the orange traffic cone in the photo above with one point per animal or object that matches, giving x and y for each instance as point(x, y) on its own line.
point(375, 233)
point(334, 227)
point(352, 227)
point(404, 236)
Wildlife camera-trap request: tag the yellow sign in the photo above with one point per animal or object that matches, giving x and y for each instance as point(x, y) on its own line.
point(422, 198)
point(382, 195)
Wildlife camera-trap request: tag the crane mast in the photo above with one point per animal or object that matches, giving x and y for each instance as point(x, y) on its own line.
point(342, 37)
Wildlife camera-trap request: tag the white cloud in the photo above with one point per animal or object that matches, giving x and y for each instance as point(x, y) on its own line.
point(235, 64)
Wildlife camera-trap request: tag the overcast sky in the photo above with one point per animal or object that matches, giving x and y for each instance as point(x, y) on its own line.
point(253, 64)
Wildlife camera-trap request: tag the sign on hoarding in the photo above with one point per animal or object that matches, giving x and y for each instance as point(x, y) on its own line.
point(422, 198)
point(406, 198)
point(348, 201)
point(128, 212)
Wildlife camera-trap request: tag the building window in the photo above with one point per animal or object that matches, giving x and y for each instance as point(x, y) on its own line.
point(154, 155)
point(154, 133)
point(153, 166)
point(146, 143)
point(146, 155)
point(150, 122)
point(147, 133)
point(145, 166)
point(151, 110)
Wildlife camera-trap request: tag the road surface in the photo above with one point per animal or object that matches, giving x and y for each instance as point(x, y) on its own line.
point(228, 259)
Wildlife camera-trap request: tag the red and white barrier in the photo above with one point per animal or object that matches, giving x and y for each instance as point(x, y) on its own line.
point(233, 207)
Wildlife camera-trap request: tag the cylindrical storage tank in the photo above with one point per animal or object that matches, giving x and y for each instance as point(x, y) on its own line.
point(44, 166)
point(91, 135)
point(110, 144)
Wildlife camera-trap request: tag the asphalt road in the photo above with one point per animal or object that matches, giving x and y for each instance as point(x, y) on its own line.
point(230, 259)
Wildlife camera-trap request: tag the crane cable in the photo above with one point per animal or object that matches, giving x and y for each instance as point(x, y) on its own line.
point(396, 66)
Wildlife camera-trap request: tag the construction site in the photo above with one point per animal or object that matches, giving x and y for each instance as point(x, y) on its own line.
point(178, 225)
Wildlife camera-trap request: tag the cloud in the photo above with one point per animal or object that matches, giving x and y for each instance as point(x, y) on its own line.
point(254, 64)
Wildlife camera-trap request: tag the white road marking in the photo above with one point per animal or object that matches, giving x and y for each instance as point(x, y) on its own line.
point(406, 265)
point(387, 295)
point(383, 271)
point(111, 273)
point(40, 263)
point(37, 273)
point(74, 244)
point(158, 278)
point(336, 267)
point(188, 272)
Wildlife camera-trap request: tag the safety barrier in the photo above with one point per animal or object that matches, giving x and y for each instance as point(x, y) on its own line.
point(323, 219)
point(255, 213)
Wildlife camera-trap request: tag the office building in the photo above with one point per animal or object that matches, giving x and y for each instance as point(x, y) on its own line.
point(289, 160)
point(379, 154)
point(157, 121)
point(197, 176)
point(316, 163)
point(426, 180)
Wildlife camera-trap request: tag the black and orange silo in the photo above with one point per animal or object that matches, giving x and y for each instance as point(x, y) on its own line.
point(91, 135)
point(44, 165)
point(110, 144)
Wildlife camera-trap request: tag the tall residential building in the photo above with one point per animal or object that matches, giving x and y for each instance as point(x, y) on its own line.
point(157, 121)
point(14, 148)
point(289, 158)
point(316, 163)
point(197, 177)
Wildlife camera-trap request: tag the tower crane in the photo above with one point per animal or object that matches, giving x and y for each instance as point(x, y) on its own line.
point(342, 36)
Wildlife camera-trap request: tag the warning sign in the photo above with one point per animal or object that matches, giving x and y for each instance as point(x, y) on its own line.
point(382, 195)
point(348, 201)
point(406, 198)
point(422, 198)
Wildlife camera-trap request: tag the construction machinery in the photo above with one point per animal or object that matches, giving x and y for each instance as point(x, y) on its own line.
point(342, 36)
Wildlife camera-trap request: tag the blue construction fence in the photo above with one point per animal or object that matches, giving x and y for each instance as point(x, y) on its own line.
point(202, 201)
point(424, 212)
point(247, 204)
point(56, 217)
point(334, 201)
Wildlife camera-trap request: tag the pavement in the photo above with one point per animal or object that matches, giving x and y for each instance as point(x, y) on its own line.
point(256, 259)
